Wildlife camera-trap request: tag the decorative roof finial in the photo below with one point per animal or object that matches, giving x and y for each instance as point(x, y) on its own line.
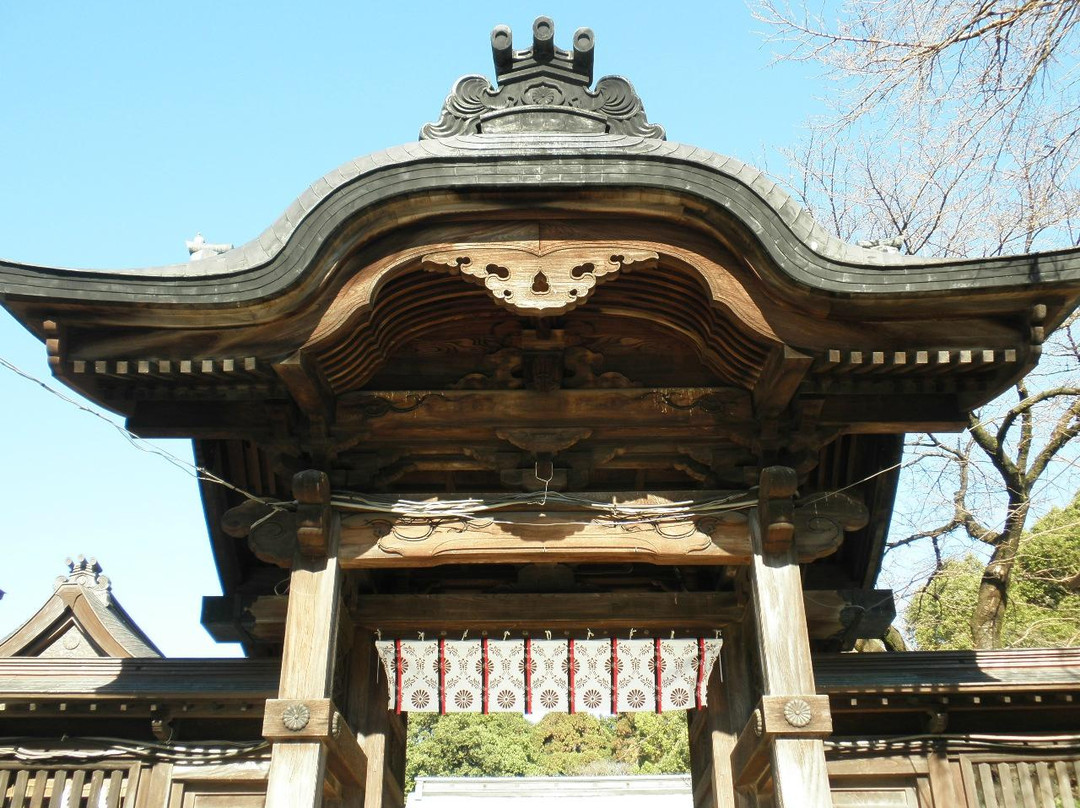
point(199, 248)
point(542, 89)
point(86, 572)
point(511, 65)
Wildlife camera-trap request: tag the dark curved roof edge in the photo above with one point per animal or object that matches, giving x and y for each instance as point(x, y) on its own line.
point(802, 250)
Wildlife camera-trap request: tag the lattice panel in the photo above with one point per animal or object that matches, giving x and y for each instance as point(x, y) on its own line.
point(1023, 783)
point(28, 787)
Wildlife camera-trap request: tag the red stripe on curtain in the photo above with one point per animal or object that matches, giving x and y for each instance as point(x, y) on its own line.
point(397, 676)
point(442, 676)
point(528, 675)
point(570, 672)
point(484, 673)
point(614, 675)
point(700, 673)
point(659, 678)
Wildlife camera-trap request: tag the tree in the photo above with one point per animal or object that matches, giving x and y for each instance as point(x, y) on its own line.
point(467, 745)
point(1044, 607)
point(576, 744)
point(653, 743)
point(507, 745)
point(955, 132)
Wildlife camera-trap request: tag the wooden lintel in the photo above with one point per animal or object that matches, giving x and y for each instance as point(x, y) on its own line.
point(262, 620)
point(531, 533)
point(780, 378)
point(645, 611)
point(411, 415)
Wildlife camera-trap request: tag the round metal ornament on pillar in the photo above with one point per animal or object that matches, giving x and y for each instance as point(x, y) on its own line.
point(296, 716)
point(798, 713)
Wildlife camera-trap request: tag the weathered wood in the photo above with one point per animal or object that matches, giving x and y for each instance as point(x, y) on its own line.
point(297, 771)
point(298, 768)
point(313, 513)
point(304, 720)
point(538, 281)
point(655, 611)
point(551, 533)
point(836, 618)
point(711, 745)
point(632, 412)
point(369, 714)
point(740, 694)
point(775, 718)
point(780, 379)
point(154, 786)
point(263, 619)
point(307, 386)
point(798, 770)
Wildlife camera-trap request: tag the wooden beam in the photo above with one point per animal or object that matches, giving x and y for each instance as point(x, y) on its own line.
point(711, 743)
point(399, 415)
point(262, 619)
point(368, 712)
point(646, 611)
point(554, 533)
point(318, 720)
point(776, 718)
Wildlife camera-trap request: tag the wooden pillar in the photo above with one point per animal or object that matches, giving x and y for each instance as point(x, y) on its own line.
point(381, 732)
point(308, 733)
point(714, 730)
point(781, 742)
point(298, 767)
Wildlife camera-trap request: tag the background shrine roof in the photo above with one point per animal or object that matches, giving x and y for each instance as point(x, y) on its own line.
point(81, 619)
point(542, 129)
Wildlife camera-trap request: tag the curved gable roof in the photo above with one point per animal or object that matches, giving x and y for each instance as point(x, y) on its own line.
point(80, 619)
point(801, 251)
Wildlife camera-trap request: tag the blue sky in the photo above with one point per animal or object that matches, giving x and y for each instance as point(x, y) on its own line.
point(127, 127)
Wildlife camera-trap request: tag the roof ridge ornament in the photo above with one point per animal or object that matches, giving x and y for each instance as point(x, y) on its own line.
point(86, 572)
point(542, 89)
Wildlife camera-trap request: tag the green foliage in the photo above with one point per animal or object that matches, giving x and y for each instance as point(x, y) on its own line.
point(1044, 596)
point(574, 744)
point(463, 744)
point(506, 745)
point(653, 743)
point(939, 617)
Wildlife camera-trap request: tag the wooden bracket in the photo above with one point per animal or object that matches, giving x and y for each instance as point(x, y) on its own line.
point(777, 717)
point(308, 387)
point(54, 346)
point(784, 370)
point(238, 522)
point(318, 720)
point(776, 508)
point(313, 513)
